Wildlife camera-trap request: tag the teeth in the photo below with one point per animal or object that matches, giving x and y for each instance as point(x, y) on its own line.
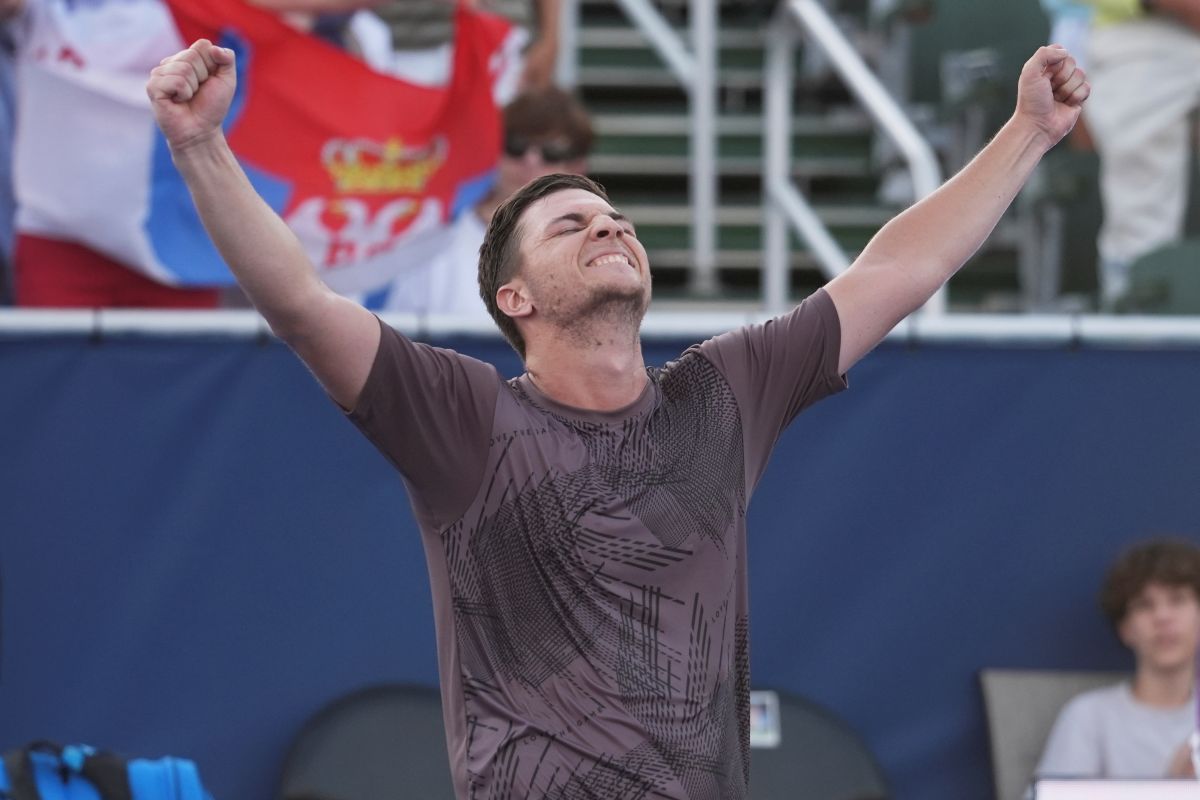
point(613, 259)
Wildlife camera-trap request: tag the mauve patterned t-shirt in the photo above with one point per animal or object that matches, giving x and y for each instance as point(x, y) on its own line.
point(589, 568)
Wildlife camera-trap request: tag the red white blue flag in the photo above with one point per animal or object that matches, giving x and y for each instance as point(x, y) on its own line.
point(367, 170)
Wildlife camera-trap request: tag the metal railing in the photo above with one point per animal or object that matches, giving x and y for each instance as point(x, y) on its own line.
point(783, 202)
point(695, 68)
point(1006, 330)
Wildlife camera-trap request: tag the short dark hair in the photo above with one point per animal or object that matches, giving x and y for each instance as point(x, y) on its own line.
point(547, 112)
point(499, 256)
point(1166, 561)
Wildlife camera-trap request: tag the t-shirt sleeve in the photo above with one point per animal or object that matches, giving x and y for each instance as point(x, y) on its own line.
point(1073, 748)
point(429, 411)
point(777, 369)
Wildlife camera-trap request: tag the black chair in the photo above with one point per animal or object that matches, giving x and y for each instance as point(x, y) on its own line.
point(1166, 281)
point(818, 757)
point(382, 742)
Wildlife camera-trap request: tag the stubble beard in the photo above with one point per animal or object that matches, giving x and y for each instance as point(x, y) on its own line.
point(608, 310)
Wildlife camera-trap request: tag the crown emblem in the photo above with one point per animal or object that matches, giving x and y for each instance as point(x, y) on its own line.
point(364, 166)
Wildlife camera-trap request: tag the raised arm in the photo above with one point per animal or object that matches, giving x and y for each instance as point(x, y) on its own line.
point(190, 93)
point(542, 56)
point(916, 253)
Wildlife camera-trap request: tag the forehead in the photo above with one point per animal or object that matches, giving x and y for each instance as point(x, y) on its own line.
point(568, 201)
point(1159, 588)
point(539, 134)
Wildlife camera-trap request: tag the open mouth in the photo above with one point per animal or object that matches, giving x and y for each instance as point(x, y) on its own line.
point(611, 258)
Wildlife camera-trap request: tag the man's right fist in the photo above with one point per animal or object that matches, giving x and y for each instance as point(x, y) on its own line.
point(190, 93)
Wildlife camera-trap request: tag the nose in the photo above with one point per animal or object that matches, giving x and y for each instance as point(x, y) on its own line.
point(1161, 612)
point(604, 226)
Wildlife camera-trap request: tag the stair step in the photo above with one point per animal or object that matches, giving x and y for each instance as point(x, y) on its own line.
point(803, 147)
point(739, 5)
point(741, 236)
point(660, 77)
point(739, 60)
point(622, 37)
point(730, 13)
point(737, 260)
point(865, 216)
point(835, 121)
point(802, 167)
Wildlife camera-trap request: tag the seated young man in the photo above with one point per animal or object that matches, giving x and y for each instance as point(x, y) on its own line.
point(1139, 729)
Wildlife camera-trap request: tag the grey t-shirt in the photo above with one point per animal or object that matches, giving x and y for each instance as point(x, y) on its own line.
point(1107, 733)
point(589, 568)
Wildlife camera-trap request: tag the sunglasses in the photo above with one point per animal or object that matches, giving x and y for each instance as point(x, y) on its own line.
point(554, 151)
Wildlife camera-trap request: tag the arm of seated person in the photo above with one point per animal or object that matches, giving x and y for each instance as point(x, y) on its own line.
point(1181, 763)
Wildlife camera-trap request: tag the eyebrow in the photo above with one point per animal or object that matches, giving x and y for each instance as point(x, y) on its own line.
point(576, 217)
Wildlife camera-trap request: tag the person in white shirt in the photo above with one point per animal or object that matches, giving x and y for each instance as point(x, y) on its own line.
point(1142, 129)
point(1139, 729)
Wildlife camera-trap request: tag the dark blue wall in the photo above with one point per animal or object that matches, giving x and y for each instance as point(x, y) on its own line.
point(198, 552)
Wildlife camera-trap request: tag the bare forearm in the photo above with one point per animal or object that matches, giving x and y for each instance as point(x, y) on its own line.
point(549, 20)
point(918, 251)
point(261, 251)
point(932, 239)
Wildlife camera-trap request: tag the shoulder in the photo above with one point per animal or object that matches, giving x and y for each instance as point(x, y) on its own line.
point(429, 368)
point(695, 369)
point(797, 351)
point(1095, 703)
point(814, 315)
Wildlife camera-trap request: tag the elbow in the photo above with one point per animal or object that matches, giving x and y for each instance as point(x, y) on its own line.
point(293, 319)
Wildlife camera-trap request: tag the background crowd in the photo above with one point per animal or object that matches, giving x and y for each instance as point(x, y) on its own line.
point(54, 256)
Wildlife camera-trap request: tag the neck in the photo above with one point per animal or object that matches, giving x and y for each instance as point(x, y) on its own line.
point(1164, 688)
point(597, 367)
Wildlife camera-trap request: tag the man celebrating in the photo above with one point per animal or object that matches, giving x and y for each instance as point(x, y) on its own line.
point(584, 523)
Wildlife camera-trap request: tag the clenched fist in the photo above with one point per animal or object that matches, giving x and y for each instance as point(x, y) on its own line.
point(190, 93)
point(1051, 92)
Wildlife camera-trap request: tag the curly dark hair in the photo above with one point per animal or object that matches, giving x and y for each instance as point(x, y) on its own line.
point(499, 256)
point(1167, 561)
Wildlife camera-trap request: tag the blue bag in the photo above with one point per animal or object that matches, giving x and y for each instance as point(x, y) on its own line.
point(45, 771)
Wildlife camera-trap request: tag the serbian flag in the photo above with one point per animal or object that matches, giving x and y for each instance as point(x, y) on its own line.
point(368, 170)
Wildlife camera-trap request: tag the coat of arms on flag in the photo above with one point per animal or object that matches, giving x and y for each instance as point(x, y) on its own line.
point(367, 170)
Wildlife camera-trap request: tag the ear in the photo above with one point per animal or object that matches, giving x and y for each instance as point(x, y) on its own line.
point(513, 299)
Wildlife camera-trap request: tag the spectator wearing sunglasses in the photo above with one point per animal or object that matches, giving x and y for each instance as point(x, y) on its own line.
point(546, 131)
